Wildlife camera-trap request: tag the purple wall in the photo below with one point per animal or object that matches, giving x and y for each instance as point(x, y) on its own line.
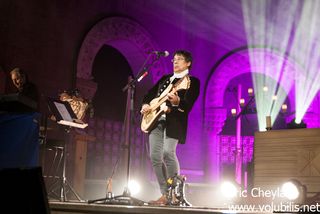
point(45, 37)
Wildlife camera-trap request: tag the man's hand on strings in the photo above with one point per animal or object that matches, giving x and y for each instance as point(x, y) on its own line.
point(165, 108)
point(145, 109)
point(174, 98)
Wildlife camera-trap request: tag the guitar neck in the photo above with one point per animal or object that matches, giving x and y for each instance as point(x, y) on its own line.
point(162, 99)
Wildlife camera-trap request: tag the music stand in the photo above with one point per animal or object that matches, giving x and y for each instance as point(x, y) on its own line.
point(65, 116)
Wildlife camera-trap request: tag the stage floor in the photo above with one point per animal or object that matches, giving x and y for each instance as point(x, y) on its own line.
point(58, 207)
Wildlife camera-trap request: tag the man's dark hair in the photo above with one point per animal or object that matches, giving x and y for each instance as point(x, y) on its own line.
point(186, 55)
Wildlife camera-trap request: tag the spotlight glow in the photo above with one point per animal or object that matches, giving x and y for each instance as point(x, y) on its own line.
point(265, 88)
point(228, 189)
point(297, 121)
point(305, 49)
point(134, 187)
point(290, 190)
point(266, 101)
point(289, 29)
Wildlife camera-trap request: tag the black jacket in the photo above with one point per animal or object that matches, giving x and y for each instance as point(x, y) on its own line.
point(177, 118)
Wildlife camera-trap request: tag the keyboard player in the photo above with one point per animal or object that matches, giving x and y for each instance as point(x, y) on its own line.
point(25, 97)
point(19, 126)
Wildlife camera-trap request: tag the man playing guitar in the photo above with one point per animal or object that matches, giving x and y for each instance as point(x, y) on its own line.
point(165, 112)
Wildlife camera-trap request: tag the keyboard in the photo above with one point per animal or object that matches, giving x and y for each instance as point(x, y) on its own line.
point(16, 103)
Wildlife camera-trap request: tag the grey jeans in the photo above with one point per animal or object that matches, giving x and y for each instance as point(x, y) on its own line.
point(163, 155)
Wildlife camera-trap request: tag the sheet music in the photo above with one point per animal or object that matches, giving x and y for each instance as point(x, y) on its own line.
point(66, 117)
point(68, 123)
point(63, 111)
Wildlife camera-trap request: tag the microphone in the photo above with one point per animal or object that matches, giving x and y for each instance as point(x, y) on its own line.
point(161, 53)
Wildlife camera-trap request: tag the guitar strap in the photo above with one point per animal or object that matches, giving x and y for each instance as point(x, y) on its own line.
point(163, 86)
point(175, 80)
point(178, 84)
point(170, 80)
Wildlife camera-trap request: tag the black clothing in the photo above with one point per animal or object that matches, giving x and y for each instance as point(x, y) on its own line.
point(177, 119)
point(30, 90)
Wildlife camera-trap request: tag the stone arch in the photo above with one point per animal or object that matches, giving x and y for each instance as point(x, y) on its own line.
point(232, 65)
point(124, 34)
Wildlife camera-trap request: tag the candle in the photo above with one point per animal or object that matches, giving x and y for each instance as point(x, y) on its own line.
point(233, 112)
point(268, 122)
point(284, 108)
point(241, 102)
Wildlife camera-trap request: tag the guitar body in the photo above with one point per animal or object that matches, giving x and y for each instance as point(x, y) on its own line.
point(151, 117)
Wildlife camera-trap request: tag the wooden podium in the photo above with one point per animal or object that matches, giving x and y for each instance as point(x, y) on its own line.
point(280, 155)
point(80, 158)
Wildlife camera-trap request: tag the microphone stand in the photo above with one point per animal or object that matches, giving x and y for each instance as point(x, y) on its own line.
point(126, 197)
point(142, 73)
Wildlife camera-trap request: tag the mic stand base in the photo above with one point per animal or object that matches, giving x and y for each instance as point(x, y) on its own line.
point(124, 199)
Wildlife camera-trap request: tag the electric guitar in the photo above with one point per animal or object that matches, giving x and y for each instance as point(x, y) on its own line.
point(151, 117)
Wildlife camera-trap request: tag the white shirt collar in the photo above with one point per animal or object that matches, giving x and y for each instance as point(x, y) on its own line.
point(179, 75)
